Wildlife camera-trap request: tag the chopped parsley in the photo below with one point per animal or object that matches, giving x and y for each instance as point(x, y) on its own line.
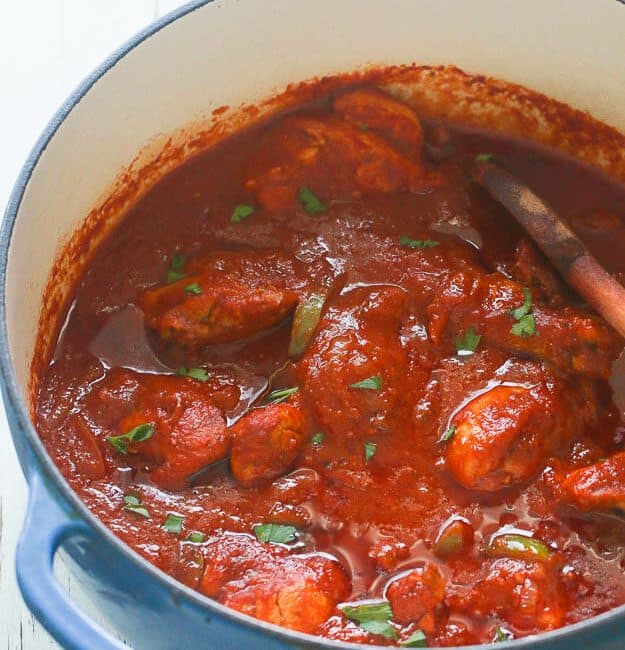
point(311, 203)
point(371, 383)
point(195, 537)
point(525, 308)
point(201, 374)
point(140, 433)
point(133, 503)
point(449, 434)
point(407, 242)
point(317, 439)
point(372, 617)
point(525, 322)
point(175, 271)
point(467, 344)
point(485, 157)
point(194, 289)
point(241, 212)
point(280, 395)
point(501, 634)
point(275, 533)
point(415, 640)
point(173, 523)
point(525, 327)
point(370, 449)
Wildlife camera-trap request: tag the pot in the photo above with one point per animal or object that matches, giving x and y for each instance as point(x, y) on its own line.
point(174, 73)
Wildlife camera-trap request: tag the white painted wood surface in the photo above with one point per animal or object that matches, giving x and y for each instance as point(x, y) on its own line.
point(46, 48)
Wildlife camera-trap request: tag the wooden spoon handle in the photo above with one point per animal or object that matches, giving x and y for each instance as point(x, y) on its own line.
point(558, 242)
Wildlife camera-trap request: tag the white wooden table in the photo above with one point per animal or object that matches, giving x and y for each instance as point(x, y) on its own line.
point(46, 48)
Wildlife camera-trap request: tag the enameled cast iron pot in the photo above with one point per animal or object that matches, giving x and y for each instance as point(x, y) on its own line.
point(201, 57)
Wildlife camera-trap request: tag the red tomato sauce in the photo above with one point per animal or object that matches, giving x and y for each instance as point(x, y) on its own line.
point(450, 448)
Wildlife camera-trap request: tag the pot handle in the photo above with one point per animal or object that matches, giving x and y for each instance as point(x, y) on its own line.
point(46, 527)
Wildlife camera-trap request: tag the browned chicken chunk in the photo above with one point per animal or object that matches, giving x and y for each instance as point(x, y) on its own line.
point(417, 597)
point(266, 442)
point(352, 346)
point(269, 583)
point(503, 435)
point(171, 425)
point(202, 309)
point(378, 111)
point(569, 338)
point(598, 487)
point(525, 593)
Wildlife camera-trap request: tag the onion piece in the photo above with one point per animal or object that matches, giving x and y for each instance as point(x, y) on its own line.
point(305, 321)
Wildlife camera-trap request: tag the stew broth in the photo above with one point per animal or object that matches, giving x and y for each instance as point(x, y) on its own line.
point(426, 459)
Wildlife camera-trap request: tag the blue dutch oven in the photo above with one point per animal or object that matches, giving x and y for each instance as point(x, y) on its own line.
point(166, 80)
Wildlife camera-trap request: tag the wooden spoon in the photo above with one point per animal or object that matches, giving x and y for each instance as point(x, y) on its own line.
point(559, 243)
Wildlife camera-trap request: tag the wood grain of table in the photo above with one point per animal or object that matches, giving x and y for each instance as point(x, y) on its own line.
point(46, 48)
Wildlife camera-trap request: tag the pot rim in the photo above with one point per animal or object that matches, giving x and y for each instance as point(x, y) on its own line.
point(15, 403)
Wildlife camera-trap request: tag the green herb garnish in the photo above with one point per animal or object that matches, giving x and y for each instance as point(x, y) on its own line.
point(449, 434)
point(195, 537)
point(140, 433)
point(311, 203)
point(467, 344)
point(371, 383)
point(280, 395)
point(194, 289)
point(275, 533)
point(525, 308)
point(525, 327)
point(526, 323)
point(415, 640)
point(201, 374)
point(176, 265)
point(407, 242)
point(501, 634)
point(173, 523)
point(317, 439)
point(241, 212)
point(132, 503)
point(372, 617)
point(485, 157)
point(370, 449)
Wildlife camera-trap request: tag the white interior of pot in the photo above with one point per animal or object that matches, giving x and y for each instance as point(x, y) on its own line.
point(244, 50)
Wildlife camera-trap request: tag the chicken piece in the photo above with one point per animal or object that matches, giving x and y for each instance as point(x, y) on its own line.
point(526, 594)
point(598, 487)
point(531, 269)
point(503, 435)
point(374, 109)
point(332, 153)
point(191, 437)
point(357, 340)
point(417, 597)
point(189, 430)
point(569, 338)
point(266, 442)
point(202, 309)
point(255, 268)
point(266, 581)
